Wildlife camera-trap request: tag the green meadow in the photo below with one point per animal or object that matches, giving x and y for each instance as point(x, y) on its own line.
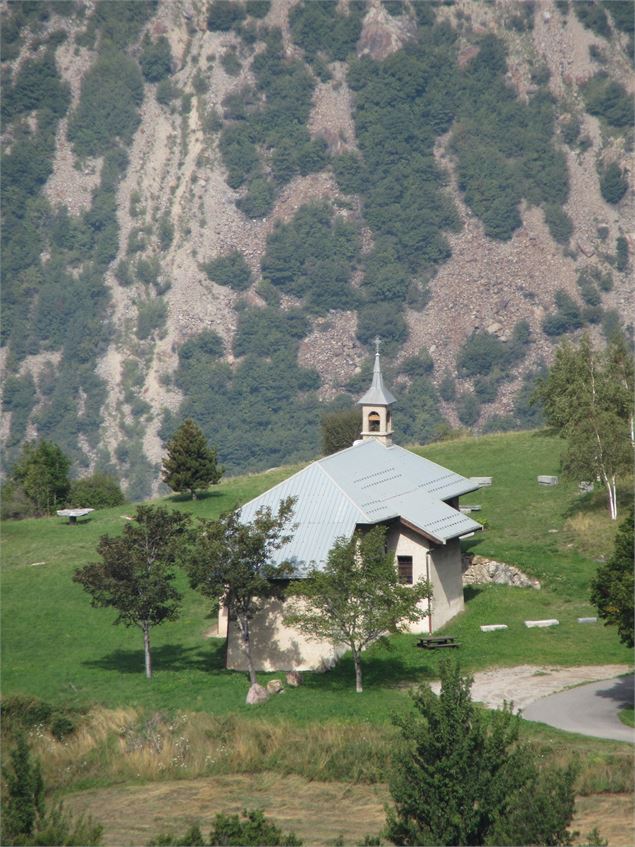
point(55, 646)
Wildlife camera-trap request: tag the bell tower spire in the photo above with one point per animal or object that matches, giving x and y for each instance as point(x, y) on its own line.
point(376, 403)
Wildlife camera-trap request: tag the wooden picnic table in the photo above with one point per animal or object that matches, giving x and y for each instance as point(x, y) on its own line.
point(434, 642)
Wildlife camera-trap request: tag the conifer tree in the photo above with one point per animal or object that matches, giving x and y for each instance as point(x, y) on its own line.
point(612, 588)
point(461, 777)
point(190, 463)
point(23, 799)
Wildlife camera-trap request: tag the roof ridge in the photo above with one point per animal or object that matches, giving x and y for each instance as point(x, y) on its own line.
point(278, 484)
point(345, 493)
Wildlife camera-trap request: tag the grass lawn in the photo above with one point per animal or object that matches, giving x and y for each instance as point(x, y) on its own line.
point(57, 647)
point(627, 716)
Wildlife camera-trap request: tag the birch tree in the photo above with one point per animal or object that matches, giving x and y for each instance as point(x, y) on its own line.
point(136, 572)
point(232, 562)
point(587, 398)
point(357, 597)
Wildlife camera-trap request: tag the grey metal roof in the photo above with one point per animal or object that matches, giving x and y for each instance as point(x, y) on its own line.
point(367, 483)
point(377, 394)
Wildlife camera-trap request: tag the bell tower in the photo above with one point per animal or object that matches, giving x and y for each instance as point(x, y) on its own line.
point(376, 403)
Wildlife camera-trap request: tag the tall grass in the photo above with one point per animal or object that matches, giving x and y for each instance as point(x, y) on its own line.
point(132, 746)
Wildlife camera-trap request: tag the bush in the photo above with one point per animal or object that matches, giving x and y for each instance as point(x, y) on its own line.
point(480, 353)
point(468, 408)
point(381, 319)
point(205, 346)
point(223, 15)
point(613, 183)
point(621, 253)
point(166, 92)
point(339, 429)
point(231, 63)
point(318, 27)
point(151, 316)
point(311, 257)
point(566, 318)
point(593, 16)
point(257, 8)
point(264, 332)
point(156, 59)
point(608, 99)
point(258, 201)
point(108, 109)
point(447, 388)
point(99, 491)
point(559, 223)
point(230, 269)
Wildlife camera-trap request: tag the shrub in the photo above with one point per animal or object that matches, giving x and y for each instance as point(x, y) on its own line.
point(468, 408)
point(319, 27)
point(311, 257)
point(231, 63)
point(263, 332)
point(207, 345)
point(166, 92)
point(621, 253)
point(258, 201)
point(593, 16)
point(566, 318)
point(257, 8)
point(559, 223)
point(111, 94)
point(98, 491)
point(151, 316)
point(447, 388)
point(223, 15)
point(480, 353)
point(230, 269)
point(608, 99)
point(339, 429)
point(486, 387)
point(613, 183)
point(381, 319)
point(156, 59)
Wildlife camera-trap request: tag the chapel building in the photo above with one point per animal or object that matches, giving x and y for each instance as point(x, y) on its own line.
point(372, 482)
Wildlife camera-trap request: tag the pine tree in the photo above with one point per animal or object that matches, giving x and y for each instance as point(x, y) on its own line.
point(461, 777)
point(23, 800)
point(190, 463)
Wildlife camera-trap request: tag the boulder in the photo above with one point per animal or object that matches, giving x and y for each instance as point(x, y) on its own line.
point(256, 694)
point(274, 686)
point(294, 678)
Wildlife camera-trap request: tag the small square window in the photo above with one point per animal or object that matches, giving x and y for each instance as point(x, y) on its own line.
point(404, 567)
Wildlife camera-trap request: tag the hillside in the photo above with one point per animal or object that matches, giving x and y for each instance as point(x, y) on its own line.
point(211, 209)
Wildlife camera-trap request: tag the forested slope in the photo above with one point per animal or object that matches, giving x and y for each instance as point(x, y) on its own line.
point(210, 210)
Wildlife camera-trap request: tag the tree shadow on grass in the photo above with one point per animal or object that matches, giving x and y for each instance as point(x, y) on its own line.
point(209, 658)
point(200, 495)
point(378, 671)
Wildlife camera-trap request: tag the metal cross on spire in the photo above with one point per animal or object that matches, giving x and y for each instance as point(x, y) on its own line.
point(377, 343)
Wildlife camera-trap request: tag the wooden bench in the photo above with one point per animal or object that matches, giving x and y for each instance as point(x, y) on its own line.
point(435, 642)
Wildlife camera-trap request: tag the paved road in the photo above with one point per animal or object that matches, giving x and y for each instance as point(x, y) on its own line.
point(588, 709)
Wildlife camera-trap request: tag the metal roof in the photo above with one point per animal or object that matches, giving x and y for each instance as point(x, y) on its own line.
point(367, 483)
point(377, 394)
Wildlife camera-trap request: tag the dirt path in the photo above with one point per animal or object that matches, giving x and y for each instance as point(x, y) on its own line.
point(524, 684)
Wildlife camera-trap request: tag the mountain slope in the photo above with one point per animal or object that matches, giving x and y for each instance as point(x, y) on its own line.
point(450, 146)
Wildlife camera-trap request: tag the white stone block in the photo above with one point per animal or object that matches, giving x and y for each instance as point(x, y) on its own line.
point(547, 480)
point(492, 627)
point(482, 480)
point(587, 620)
point(549, 622)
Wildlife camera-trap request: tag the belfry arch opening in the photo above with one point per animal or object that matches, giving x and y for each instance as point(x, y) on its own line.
point(374, 422)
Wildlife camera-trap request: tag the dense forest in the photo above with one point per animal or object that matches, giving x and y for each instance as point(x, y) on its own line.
point(440, 124)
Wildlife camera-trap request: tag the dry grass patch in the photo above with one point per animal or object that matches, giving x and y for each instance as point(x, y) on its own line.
point(318, 812)
point(612, 814)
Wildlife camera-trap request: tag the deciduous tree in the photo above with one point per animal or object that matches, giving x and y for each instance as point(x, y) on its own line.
point(461, 776)
point(357, 597)
point(231, 562)
point(339, 429)
point(587, 399)
point(42, 473)
point(136, 573)
point(613, 587)
point(190, 463)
